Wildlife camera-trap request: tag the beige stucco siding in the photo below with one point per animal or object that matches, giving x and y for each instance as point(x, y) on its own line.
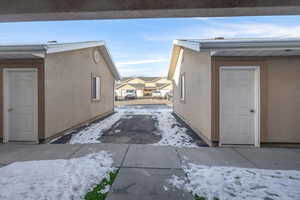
point(68, 89)
point(283, 100)
point(196, 109)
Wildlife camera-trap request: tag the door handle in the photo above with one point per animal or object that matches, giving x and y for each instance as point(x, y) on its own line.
point(10, 109)
point(252, 111)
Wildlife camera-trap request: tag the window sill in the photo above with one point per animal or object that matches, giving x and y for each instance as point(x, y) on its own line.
point(96, 100)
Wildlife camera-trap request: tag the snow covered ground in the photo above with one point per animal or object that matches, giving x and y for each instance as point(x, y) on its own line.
point(231, 183)
point(54, 179)
point(171, 133)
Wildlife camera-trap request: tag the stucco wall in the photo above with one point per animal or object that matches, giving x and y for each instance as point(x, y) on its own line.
point(280, 96)
point(68, 89)
point(196, 109)
point(139, 93)
point(283, 100)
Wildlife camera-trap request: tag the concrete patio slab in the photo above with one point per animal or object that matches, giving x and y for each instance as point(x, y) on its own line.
point(296, 150)
point(118, 151)
point(213, 157)
point(12, 152)
point(146, 184)
point(48, 152)
point(152, 157)
point(272, 158)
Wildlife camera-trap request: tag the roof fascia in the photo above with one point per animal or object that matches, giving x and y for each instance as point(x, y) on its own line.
point(215, 51)
point(56, 48)
point(107, 56)
point(188, 44)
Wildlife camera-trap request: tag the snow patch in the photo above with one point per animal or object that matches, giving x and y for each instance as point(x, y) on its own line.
point(166, 188)
point(54, 179)
point(95, 130)
point(232, 183)
point(105, 190)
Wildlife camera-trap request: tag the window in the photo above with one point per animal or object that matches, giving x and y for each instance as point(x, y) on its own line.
point(96, 88)
point(182, 87)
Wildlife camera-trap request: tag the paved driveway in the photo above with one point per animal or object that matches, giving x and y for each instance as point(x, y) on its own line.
point(144, 169)
point(142, 124)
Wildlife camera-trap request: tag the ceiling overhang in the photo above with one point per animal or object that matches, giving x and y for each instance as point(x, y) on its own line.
point(37, 10)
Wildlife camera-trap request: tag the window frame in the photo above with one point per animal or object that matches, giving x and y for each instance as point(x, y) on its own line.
point(182, 87)
point(95, 88)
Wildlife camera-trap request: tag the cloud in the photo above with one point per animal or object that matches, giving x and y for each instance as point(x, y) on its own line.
point(215, 28)
point(138, 62)
point(146, 67)
point(202, 18)
point(143, 71)
point(253, 30)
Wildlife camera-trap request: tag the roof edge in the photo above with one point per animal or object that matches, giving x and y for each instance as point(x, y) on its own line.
point(174, 58)
point(216, 44)
point(107, 56)
point(62, 47)
point(188, 44)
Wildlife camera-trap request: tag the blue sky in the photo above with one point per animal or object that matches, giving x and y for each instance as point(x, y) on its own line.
point(143, 46)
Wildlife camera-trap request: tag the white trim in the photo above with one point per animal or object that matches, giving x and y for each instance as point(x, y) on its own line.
point(96, 88)
point(236, 44)
point(188, 44)
point(61, 47)
point(256, 101)
point(5, 102)
point(182, 87)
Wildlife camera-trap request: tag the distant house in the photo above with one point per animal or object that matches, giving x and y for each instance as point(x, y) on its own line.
point(143, 86)
point(238, 92)
point(121, 89)
point(164, 88)
point(50, 88)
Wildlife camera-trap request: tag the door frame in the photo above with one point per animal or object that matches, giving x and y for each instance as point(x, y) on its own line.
point(257, 100)
point(5, 102)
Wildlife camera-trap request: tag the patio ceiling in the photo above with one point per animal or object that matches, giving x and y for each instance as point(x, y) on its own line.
point(35, 10)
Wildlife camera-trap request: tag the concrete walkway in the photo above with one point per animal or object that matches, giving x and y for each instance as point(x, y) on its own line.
point(144, 169)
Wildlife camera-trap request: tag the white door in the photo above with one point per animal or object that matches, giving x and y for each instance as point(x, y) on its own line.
point(20, 105)
point(238, 106)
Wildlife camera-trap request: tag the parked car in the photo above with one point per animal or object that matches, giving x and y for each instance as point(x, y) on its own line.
point(130, 94)
point(157, 94)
